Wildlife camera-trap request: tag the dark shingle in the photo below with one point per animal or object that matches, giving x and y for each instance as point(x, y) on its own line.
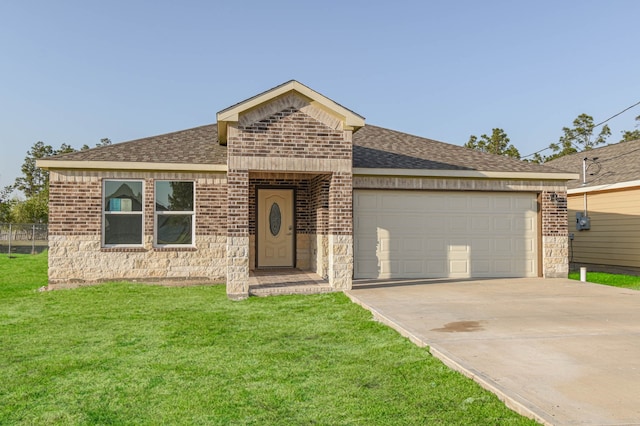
point(377, 147)
point(616, 163)
point(374, 147)
point(193, 146)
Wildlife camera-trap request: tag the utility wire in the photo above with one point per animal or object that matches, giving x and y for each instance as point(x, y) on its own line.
point(614, 116)
point(599, 124)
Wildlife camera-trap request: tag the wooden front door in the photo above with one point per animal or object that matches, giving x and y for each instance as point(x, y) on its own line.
point(275, 228)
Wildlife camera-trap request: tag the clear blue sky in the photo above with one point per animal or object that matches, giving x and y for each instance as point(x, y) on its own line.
point(78, 71)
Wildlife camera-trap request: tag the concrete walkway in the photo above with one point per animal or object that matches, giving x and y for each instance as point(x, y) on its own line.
point(559, 351)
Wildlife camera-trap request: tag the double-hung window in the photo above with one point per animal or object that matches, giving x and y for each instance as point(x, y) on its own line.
point(122, 213)
point(174, 213)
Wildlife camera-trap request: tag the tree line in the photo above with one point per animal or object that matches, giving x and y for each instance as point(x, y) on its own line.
point(34, 186)
point(581, 137)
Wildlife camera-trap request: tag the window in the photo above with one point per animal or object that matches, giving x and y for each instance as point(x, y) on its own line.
point(174, 213)
point(122, 213)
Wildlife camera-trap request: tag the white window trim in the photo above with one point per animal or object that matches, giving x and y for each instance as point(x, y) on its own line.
point(104, 213)
point(167, 213)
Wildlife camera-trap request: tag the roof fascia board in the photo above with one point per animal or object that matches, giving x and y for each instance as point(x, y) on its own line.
point(612, 186)
point(464, 174)
point(129, 165)
point(232, 114)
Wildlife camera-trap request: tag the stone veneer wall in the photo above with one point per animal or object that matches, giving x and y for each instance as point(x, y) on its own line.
point(76, 254)
point(554, 231)
point(289, 135)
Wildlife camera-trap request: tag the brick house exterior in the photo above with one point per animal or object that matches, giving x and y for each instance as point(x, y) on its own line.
point(289, 144)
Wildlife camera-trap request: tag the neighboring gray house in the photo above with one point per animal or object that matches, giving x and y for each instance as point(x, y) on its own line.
point(291, 179)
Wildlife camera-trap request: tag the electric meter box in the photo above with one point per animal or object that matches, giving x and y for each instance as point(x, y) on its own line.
point(583, 223)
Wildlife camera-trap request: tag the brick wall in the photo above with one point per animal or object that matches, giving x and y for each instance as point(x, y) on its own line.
point(319, 203)
point(75, 201)
point(75, 205)
point(288, 142)
point(292, 134)
point(341, 204)
point(554, 215)
point(75, 250)
point(238, 203)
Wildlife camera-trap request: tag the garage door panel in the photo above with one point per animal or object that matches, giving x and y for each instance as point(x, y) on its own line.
point(434, 224)
point(503, 245)
point(435, 245)
point(480, 267)
point(524, 246)
point(458, 223)
point(389, 268)
point(459, 267)
point(367, 201)
point(481, 222)
point(413, 245)
point(482, 245)
point(458, 204)
point(414, 267)
point(502, 204)
point(481, 204)
point(502, 223)
point(401, 234)
point(436, 268)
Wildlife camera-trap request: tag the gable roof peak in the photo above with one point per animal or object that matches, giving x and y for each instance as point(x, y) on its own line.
point(350, 119)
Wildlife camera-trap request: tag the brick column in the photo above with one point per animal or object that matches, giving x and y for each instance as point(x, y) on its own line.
point(341, 231)
point(555, 236)
point(238, 234)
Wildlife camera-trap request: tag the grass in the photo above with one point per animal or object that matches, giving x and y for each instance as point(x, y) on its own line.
point(615, 280)
point(127, 353)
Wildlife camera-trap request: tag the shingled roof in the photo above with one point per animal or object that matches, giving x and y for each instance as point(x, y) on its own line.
point(192, 146)
point(616, 163)
point(377, 147)
point(374, 147)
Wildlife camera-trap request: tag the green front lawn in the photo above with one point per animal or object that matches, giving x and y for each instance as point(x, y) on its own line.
point(127, 353)
point(616, 280)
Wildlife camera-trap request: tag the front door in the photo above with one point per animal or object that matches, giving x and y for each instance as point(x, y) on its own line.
point(275, 228)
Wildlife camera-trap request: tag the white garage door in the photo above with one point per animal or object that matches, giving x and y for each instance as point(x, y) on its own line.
point(417, 234)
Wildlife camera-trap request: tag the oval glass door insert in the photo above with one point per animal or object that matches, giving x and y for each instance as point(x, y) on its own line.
point(275, 219)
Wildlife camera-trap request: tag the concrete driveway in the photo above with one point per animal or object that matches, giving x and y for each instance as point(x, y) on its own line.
point(559, 351)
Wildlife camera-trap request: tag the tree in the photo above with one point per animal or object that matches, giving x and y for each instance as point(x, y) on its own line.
point(33, 209)
point(631, 135)
point(103, 142)
point(6, 204)
point(578, 138)
point(34, 184)
point(497, 143)
point(34, 180)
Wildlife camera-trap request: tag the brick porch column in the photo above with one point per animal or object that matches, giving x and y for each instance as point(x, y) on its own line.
point(238, 234)
point(341, 231)
point(555, 236)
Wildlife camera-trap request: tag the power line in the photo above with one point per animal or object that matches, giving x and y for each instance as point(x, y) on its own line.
point(614, 116)
point(599, 124)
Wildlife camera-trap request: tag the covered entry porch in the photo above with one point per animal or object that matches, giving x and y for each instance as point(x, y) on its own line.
point(296, 242)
